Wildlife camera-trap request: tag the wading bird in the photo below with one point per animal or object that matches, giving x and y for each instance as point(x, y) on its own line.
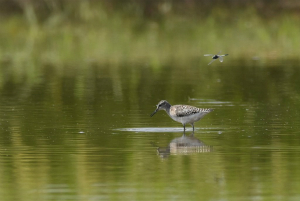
point(182, 113)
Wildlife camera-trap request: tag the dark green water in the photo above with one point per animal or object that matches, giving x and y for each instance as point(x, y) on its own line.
point(85, 133)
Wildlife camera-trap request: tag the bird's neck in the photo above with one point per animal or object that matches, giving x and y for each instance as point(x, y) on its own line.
point(167, 108)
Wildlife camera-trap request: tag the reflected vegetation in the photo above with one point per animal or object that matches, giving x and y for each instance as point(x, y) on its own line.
point(184, 145)
point(62, 129)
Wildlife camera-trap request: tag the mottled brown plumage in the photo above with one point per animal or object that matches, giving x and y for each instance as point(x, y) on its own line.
point(186, 110)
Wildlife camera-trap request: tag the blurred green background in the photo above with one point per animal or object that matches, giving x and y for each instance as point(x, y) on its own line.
point(66, 32)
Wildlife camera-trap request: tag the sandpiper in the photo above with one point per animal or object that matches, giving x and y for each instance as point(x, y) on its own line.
point(215, 57)
point(182, 113)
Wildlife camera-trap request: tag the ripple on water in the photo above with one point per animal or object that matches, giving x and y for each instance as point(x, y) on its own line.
point(161, 129)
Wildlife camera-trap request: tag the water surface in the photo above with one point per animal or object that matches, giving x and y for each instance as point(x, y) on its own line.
point(87, 134)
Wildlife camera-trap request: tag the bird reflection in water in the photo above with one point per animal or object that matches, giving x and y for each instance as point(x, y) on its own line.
point(184, 145)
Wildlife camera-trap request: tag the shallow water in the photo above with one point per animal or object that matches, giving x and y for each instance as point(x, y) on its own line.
point(87, 134)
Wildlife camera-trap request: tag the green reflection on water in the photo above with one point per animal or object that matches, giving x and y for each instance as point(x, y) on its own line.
point(62, 135)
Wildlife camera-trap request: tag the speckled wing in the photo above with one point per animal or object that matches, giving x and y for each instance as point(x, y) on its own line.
point(186, 110)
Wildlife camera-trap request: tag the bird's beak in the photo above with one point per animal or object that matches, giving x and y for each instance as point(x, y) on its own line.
point(154, 112)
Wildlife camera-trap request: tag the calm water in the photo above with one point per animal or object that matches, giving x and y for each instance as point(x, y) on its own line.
point(86, 133)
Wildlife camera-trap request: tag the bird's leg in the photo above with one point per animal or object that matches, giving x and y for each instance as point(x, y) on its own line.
point(183, 128)
point(193, 127)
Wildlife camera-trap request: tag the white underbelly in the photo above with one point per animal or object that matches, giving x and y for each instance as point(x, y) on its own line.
point(188, 119)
